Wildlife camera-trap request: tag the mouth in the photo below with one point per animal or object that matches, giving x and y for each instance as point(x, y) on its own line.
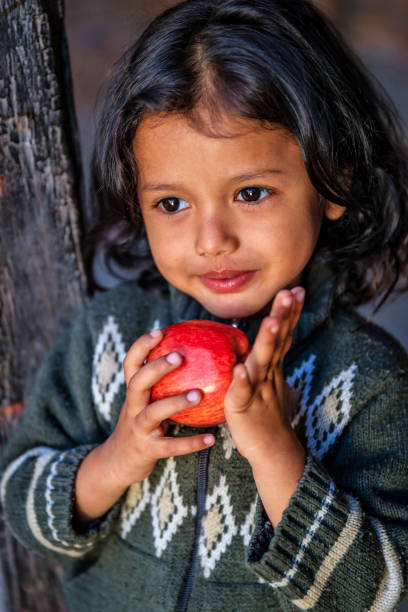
point(226, 281)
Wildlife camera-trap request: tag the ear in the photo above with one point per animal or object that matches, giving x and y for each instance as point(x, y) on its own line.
point(333, 211)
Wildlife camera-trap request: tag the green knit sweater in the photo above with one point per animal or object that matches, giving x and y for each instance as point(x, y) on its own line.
point(342, 543)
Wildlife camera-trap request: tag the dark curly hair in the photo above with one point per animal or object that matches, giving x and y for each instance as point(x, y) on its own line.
point(280, 62)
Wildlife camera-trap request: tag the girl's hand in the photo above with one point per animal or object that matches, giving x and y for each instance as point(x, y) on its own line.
point(139, 440)
point(257, 404)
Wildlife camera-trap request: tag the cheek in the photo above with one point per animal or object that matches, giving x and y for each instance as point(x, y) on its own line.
point(155, 241)
point(294, 236)
point(304, 232)
point(168, 253)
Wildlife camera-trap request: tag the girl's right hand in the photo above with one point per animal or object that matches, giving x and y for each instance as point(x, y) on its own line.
point(139, 440)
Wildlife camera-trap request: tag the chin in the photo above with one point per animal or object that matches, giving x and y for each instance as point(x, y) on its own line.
point(230, 311)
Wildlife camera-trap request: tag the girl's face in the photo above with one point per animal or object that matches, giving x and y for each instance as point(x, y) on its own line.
point(230, 220)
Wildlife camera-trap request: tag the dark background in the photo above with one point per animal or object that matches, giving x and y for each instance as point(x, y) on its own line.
point(100, 30)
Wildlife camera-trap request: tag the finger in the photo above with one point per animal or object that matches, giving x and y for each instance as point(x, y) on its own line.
point(282, 309)
point(139, 351)
point(140, 384)
point(259, 359)
point(173, 447)
point(153, 415)
point(298, 294)
point(240, 391)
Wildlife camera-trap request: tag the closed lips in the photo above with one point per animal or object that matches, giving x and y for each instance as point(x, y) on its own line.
point(225, 274)
point(226, 281)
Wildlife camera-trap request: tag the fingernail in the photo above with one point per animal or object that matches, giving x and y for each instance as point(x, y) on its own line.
point(173, 358)
point(274, 328)
point(155, 333)
point(209, 439)
point(193, 396)
point(287, 301)
point(300, 294)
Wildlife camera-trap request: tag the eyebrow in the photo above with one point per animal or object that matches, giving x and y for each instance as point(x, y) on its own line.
point(235, 179)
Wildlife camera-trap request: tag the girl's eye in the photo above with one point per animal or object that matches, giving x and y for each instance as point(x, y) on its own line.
point(249, 194)
point(253, 194)
point(172, 205)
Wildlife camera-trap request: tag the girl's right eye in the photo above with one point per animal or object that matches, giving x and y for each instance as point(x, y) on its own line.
point(171, 205)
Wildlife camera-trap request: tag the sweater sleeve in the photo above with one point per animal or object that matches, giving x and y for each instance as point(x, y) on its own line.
point(342, 543)
point(39, 464)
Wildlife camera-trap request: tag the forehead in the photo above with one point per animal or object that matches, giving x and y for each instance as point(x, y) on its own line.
point(173, 139)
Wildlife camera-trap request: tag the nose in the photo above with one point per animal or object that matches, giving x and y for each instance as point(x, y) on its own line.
point(215, 236)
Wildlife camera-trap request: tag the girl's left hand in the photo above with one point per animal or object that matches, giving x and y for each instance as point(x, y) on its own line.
point(258, 401)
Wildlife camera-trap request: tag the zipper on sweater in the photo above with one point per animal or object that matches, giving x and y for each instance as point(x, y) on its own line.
point(202, 484)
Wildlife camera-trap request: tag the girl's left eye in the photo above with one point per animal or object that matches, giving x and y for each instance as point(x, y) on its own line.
point(172, 205)
point(253, 194)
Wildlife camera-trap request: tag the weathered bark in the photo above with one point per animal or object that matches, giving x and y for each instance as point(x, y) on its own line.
point(42, 280)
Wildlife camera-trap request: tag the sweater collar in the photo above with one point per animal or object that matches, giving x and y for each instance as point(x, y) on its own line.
point(319, 285)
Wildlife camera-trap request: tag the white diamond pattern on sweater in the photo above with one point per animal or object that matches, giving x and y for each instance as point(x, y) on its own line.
point(301, 381)
point(228, 443)
point(248, 526)
point(107, 371)
point(327, 416)
point(218, 527)
point(137, 498)
point(167, 508)
point(329, 412)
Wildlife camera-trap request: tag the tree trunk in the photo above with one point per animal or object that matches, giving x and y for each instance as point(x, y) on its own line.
point(42, 278)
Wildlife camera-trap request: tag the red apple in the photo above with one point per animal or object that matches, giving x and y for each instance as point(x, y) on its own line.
point(210, 351)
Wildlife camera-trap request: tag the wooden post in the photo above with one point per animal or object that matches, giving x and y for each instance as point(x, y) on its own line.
point(42, 278)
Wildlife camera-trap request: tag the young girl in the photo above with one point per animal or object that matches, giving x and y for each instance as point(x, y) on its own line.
point(266, 170)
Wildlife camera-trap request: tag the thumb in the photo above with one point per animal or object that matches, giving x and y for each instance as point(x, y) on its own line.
point(239, 392)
